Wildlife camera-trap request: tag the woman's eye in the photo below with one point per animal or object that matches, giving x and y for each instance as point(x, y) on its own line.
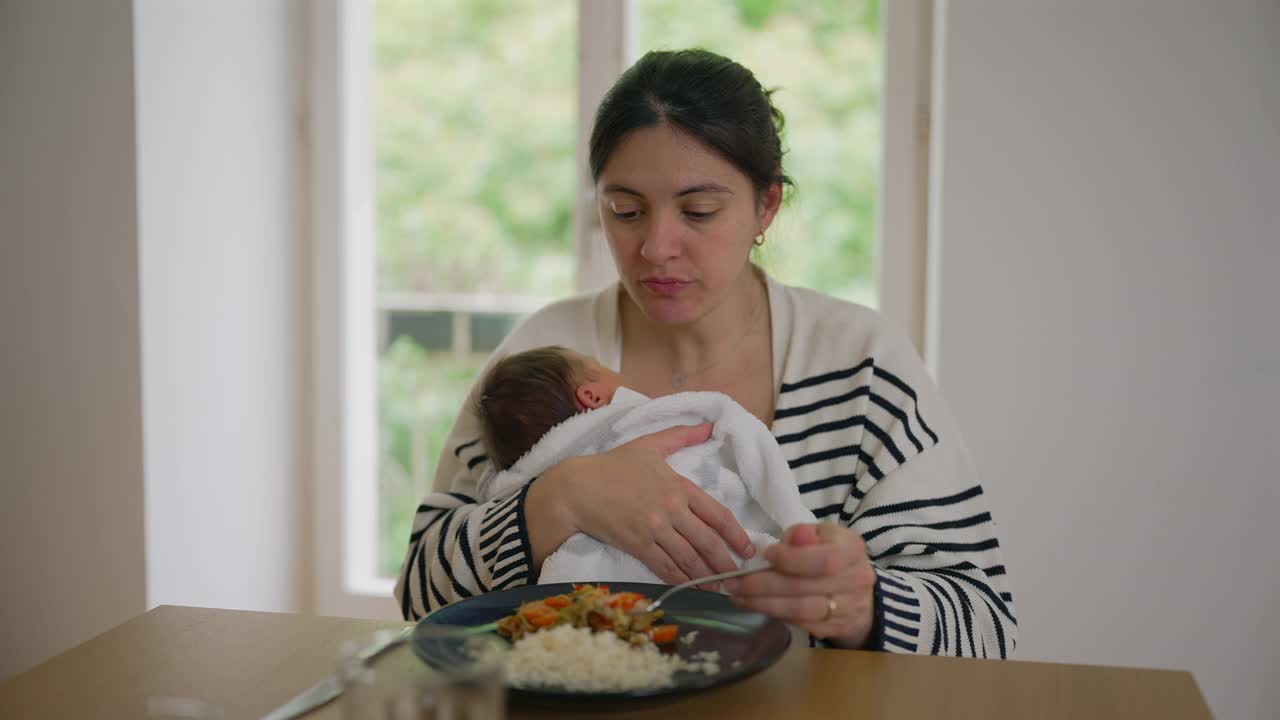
point(624, 212)
point(699, 215)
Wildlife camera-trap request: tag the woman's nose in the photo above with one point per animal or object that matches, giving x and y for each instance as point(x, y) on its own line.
point(662, 240)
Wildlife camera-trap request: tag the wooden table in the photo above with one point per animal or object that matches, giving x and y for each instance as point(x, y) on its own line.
point(249, 662)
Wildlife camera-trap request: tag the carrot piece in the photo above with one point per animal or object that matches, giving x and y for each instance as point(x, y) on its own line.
point(558, 601)
point(624, 601)
point(663, 634)
point(539, 615)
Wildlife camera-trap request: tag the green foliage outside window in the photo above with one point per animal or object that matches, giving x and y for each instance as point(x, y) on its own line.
point(474, 136)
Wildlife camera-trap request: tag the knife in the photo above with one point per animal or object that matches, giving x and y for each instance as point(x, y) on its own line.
point(323, 692)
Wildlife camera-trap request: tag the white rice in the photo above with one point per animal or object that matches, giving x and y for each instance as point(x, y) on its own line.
point(708, 661)
point(584, 661)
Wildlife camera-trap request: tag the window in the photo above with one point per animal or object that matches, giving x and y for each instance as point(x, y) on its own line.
point(457, 205)
point(474, 144)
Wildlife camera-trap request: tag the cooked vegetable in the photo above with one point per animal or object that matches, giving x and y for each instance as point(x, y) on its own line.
point(595, 607)
point(558, 602)
point(539, 615)
point(625, 601)
point(663, 634)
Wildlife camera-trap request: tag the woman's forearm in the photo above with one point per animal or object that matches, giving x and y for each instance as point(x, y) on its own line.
point(548, 512)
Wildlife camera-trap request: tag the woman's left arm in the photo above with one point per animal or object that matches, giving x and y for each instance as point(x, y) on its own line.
point(911, 571)
point(908, 560)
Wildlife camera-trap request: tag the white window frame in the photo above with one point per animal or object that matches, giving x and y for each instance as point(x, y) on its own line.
point(341, 221)
point(906, 119)
point(343, 328)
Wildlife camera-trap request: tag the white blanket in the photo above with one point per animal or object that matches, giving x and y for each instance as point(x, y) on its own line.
point(741, 466)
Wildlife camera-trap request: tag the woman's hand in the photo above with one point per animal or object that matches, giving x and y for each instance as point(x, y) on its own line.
point(630, 498)
point(822, 581)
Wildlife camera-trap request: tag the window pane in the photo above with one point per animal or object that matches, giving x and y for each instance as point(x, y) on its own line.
point(474, 138)
point(824, 59)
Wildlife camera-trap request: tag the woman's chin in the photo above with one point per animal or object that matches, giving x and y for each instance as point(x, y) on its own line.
point(669, 311)
point(665, 308)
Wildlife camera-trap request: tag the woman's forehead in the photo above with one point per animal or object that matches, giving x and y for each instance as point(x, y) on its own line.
point(661, 160)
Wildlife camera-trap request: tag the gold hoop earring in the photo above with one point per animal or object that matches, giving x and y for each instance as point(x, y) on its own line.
point(758, 242)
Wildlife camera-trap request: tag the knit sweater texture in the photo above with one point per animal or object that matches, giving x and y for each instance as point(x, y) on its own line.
point(867, 436)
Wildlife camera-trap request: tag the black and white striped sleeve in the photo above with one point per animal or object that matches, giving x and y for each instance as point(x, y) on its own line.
point(875, 450)
point(460, 546)
point(941, 583)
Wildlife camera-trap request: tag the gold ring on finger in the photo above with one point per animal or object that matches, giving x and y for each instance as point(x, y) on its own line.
point(831, 608)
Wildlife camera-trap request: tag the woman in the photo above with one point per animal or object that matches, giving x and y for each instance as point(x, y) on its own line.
point(687, 163)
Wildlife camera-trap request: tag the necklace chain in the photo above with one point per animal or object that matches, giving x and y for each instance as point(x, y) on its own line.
point(680, 379)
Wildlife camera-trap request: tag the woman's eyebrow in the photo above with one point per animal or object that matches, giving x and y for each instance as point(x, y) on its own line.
point(615, 188)
point(700, 188)
point(704, 187)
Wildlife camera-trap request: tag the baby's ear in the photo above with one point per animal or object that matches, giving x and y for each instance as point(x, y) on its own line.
point(588, 396)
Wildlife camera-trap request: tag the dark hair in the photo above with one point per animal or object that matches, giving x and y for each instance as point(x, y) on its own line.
point(708, 96)
point(522, 397)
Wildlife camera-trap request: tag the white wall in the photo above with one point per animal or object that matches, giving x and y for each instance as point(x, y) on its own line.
point(223, 270)
point(71, 485)
point(1110, 241)
point(152, 277)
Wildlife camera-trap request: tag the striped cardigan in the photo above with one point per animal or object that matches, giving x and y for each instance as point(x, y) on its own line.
point(870, 442)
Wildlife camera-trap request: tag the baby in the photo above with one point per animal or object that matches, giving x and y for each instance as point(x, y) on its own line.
point(539, 407)
point(526, 394)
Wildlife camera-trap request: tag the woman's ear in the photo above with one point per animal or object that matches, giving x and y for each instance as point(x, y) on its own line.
point(588, 396)
point(770, 202)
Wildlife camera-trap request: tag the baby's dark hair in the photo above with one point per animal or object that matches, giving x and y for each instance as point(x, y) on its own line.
point(522, 397)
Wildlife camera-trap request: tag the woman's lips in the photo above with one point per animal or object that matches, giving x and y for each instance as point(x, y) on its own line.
point(665, 286)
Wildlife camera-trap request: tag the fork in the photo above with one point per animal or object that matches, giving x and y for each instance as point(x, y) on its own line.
point(323, 692)
point(701, 581)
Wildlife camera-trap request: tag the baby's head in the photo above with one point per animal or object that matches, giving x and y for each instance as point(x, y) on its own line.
point(526, 394)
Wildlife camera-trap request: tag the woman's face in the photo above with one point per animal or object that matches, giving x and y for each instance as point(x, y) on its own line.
point(680, 220)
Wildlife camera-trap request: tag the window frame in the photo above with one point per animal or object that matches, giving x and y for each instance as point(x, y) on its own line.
point(340, 216)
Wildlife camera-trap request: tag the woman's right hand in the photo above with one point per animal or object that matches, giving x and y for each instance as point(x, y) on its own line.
point(630, 498)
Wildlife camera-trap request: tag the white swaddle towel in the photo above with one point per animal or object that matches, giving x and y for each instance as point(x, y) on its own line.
point(741, 466)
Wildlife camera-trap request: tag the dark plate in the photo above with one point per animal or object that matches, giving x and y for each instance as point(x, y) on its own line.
point(751, 640)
